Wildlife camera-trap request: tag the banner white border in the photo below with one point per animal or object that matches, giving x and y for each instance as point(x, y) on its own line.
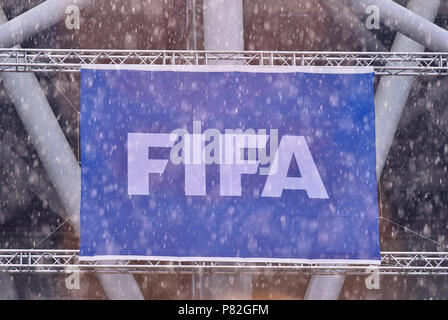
point(232, 68)
point(229, 259)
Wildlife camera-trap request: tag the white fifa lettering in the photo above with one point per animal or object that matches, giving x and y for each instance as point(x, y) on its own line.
point(294, 147)
point(139, 164)
point(227, 150)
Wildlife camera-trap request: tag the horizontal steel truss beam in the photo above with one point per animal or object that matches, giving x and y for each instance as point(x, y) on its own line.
point(66, 261)
point(67, 60)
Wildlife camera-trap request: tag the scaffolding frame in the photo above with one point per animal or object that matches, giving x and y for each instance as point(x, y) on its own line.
point(67, 261)
point(71, 60)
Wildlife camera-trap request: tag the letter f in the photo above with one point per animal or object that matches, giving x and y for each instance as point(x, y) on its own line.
point(139, 164)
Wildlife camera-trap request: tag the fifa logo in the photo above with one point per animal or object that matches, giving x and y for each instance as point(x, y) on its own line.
point(237, 153)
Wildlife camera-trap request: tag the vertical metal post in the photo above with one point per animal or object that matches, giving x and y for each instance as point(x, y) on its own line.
point(192, 10)
point(223, 25)
point(201, 285)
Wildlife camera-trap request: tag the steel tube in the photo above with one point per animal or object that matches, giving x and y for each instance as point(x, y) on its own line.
point(223, 25)
point(408, 22)
point(392, 92)
point(57, 157)
point(36, 20)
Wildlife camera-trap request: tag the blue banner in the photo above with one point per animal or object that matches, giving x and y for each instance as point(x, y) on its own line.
point(228, 163)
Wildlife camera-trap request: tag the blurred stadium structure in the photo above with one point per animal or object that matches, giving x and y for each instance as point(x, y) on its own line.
point(40, 123)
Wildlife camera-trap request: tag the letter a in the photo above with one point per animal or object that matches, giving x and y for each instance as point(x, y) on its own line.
point(310, 180)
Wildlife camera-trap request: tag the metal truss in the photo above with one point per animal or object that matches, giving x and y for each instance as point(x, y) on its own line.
point(67, 261)
point(71, 60)
point(67, 60)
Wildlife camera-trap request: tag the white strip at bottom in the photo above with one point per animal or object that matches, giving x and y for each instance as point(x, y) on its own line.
point(230, 259)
